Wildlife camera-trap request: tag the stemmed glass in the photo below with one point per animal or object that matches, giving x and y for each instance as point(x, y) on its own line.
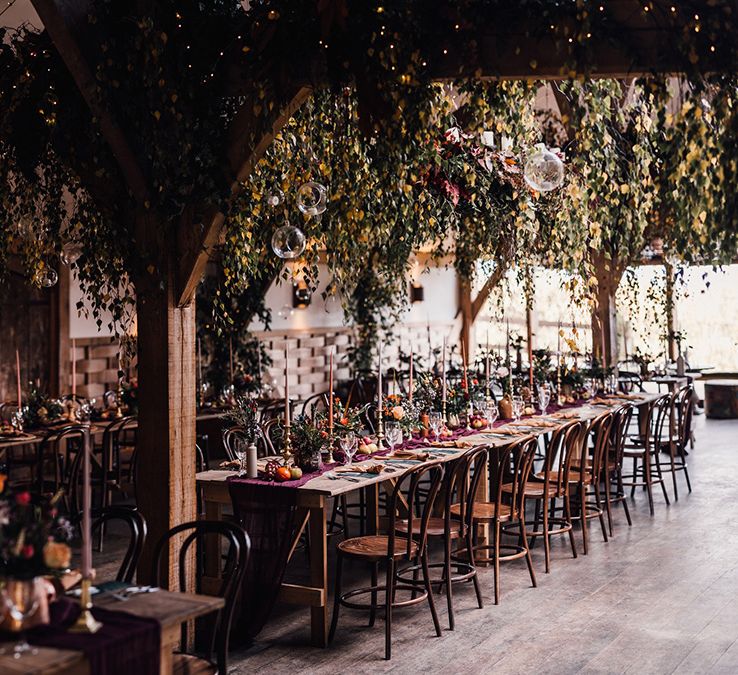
point(517, 407)
point(241, 449)
point(393, 434)
point(348, 445)
point(544, 397)
point(19, 597)
point(435, 422)
point(491, 413)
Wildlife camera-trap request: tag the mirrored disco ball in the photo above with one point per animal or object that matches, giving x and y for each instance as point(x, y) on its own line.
point(288, 242)
point(544, 170)
point(311, 198)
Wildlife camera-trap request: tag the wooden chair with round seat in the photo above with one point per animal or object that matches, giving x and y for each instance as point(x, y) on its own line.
point(448, 527)
point(509, 469)
point(644, 450)
point(682, 410)
point(235, 557)
point(136, 525)
point(392, 549)
point(614, 490)
point(551, 484)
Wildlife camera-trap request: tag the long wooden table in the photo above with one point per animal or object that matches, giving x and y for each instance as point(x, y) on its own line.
point(312, 498)
point(169, 609)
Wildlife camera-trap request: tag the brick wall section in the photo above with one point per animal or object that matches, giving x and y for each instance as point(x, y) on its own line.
point(310, 349)
point(97, 367)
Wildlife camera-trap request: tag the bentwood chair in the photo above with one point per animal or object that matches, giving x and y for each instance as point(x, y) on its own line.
point(392, 549)
point(552, 484)
point(680, 435)
point(235, 557)
point(645, 450)
point(454, 532)
point(137, 530)
point(614, 491)
point(56, 454)
point(234, 435)
point(509, 470)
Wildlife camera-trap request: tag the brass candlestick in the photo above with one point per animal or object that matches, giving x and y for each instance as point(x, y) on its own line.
point(380, 427)
point(443, 412)
point(331, 441)
point(558, 379)
point(287, 447)
point(86, 623)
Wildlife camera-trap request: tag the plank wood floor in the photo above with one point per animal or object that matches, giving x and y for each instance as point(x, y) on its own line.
point(660, 597)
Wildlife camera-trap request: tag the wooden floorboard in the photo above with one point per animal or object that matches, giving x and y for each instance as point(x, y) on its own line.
point(660, 597)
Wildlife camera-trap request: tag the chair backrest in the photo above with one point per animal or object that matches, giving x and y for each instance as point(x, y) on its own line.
point(315, 403)
point(684, 403)
point(660, 420)
point(274, 410)
point(560, 452)
point(236, 558)
point(115, 436)
point(471, 471)
point(404, 494)
point(234, 436)
point(619, 434)
point(595, 463)
point(136, 524)
point(73, 436)
point(510, 466)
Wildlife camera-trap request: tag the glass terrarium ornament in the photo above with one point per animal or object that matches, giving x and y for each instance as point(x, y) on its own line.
point(332, 303)
point(285, 311)
point(544, 170)
point(47, 277)
point(312, 198)
point(288, 242)
point(275, 197)
point(70, 253)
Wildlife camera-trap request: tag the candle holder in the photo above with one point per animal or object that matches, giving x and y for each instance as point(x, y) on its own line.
point(287, 447)
point(86, 623)
point(559, 399)
point(380, 427)
point(331, 442)
point(443, 412)
point(118, 397)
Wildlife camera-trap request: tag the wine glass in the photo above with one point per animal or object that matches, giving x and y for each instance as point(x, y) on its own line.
point(241, 451)
point(491, 413)
point(544, 397)
point(435, 422)
point(517, 407)
point(348, 445)
point(393, 434)
point(19, 597)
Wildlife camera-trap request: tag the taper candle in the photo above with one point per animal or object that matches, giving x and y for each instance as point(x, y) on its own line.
point(86, 507)
point(287, 384)
point(379, 376)
point(443, 372)
point(74, 367)
point(18, 379)
point(330, 389)
point(410, 384)
point(230, 358)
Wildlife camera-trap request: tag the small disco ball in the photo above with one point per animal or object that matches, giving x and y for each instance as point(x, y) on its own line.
point(288, 242)
point(311, 198)
point(47, 277)
point(544, 170)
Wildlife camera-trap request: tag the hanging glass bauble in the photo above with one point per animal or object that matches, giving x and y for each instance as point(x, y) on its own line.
point(285, 311)
point(71, 252)
point(332, 303)
point(275, 197)
point(288, 242)
point(311, 198)
point(47, 277)
point(544, 170)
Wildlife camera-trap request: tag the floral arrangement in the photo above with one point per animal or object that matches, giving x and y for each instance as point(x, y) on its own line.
point(308, 440)
point(40, 409)
point(543, 366)
point(245, 415)
point(428, 395)
point(398, 408)
point(34, 538)
point(129, 395)
point(344, 419)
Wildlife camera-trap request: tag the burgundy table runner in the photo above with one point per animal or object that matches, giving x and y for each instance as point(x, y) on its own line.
point(125, 644)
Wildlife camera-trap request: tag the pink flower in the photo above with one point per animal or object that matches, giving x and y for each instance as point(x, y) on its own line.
point(27, 551)
point(23, 498)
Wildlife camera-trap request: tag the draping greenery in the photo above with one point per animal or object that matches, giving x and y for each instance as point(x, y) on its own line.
point(400, 155)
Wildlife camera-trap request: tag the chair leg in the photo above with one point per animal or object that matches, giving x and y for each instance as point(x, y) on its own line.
point(528, 557)
point(567, 516)
point(598, 502)
point(623, 501)
point(647, 480)
point(661, 478)
point(497, 562)
point(686, 475)
point(546, 536)
point(336, 597)
point(583, 518)
point(429, 591)
point(375, 581)
point(608, 506)
point(389, 597)
point(673, 472)
point(635, 477)
point(475, 578)
point(345, 516)
point(447, 575)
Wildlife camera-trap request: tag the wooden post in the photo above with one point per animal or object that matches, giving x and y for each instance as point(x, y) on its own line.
point(465, 309)
point(165, 476)
point(669, 303)
point(604, 316)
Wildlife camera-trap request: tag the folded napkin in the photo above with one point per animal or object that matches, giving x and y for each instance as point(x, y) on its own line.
point(358, 468)
point(628, 397)
point(409, 454)
point(453, 444)
point(604, 401)
point(230, 464)
point(533, 422)
point(505, 431)
point(566, 414)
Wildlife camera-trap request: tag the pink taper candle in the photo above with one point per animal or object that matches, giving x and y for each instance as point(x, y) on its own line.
point(443, 371)
point(330, 398)
point(287, 384)
point(410, 384)
point(18, 378)
point(86, 507)
point(74, 367)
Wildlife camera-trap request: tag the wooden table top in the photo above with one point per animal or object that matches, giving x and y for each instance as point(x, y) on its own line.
point(329, 487)
point(170, 609)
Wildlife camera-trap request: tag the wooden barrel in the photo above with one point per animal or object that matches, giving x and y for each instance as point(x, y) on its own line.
point(721, 399)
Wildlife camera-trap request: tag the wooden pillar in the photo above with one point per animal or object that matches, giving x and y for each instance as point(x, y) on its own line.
point(604, 316)
point(467, 313)
point(165, 477)
point(669, 305)
point(60, 363)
